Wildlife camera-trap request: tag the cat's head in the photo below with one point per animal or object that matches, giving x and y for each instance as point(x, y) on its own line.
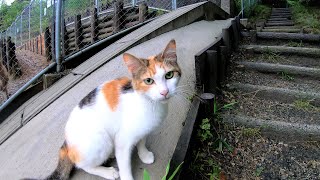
point(156, 77)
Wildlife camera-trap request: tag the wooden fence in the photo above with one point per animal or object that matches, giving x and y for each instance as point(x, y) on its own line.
point(85, 31)
point(8, 57)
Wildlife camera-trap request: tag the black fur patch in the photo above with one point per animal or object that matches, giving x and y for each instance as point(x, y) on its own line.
point(89, 99)
point(127, 88)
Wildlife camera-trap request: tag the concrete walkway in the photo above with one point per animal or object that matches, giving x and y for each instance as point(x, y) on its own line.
point(33, 150)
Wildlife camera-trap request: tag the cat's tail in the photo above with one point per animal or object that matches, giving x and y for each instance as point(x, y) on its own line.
point(64, 168)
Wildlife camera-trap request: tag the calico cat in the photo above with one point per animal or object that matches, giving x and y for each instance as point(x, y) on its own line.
point(4, 80)
point(118, 115)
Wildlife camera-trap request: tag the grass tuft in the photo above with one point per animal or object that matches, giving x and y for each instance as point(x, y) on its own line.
point(251, 132)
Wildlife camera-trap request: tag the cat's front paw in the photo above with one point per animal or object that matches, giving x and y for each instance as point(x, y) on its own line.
point(147, 157)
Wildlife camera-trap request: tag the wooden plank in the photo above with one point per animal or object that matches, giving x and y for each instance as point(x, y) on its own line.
point(143, 12)
point(53, 57)
point(64, 38)
point(94, 27)
point(105, 24)
point(78, 31)
point(105, 30)
point(212, 68)
point(118, 16)
point(47, 44)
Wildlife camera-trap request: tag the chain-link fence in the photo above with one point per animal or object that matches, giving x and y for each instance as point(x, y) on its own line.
point(38, 38)
point(246, 7)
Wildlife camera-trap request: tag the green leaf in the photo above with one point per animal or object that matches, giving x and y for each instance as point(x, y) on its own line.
point(230, 148)
point(146, 175)
point(175, 172)
point(215, 107)
point(167, 171)
point(229, 106)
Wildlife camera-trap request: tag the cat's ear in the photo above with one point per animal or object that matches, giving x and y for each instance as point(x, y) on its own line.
point(132, 62)
point(169, 53)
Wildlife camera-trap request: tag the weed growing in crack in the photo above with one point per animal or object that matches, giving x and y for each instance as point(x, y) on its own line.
point(295, 44)
point(258, 171)
point(251, 132)
point(286, 76)
point(271, 56)
point(305, 105)
point(146, 175)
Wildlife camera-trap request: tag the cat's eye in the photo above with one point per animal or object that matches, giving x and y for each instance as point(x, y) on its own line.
point(148, 81)
point(169, 75)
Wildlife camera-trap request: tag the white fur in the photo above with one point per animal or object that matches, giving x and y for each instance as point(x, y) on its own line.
point(96, 130)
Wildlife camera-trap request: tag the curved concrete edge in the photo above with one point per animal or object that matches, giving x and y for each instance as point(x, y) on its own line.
point(278, 94)
point(276, 129)
point(170, 21)
point(277, 68)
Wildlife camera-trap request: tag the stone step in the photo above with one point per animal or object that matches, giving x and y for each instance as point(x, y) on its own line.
point(289, 36)
point(281, 16)
point(292, 60)
point(280, 24)
point(276, 129)
point(278, 19)
point(284, 95)
point(281, 27)
point(283, 21)
point(280, 12)
point(301, 51)
point(278, 68)
point(282, 30)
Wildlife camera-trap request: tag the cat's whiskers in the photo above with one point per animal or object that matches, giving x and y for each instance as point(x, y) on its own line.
point(194, 95)
point(180, 96)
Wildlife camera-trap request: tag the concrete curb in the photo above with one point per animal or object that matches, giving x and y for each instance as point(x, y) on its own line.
point(277, 129)
point(277, 94)
point(276, 68)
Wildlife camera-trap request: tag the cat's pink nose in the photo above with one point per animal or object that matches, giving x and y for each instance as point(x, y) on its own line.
point(164, 92)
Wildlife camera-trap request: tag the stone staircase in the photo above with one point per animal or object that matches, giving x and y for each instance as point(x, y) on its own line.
point(275, 81)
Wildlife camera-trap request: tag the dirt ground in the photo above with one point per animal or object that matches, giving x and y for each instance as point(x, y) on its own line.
point(31, 64)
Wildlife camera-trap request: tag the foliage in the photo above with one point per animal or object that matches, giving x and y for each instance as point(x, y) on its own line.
point(260, 12)
point(9, 13)
point(306, 16)
point(204, 133)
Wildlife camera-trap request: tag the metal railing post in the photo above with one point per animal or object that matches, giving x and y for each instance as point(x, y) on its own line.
point(40, 17)
point(57, 35)
point(96, 2)
point(29, 20)
point(134, 3)
point(21, 29)
point(242, 9)
point(174, 4)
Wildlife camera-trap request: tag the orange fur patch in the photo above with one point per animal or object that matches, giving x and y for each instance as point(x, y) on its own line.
point(111, 91)
point(74, 154)
point(71, 152)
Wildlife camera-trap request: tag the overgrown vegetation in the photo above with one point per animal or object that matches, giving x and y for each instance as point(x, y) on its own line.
point(9, 13)
point(308, 17)
point(260, 12)
point(210, 140)
point(305, 105)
